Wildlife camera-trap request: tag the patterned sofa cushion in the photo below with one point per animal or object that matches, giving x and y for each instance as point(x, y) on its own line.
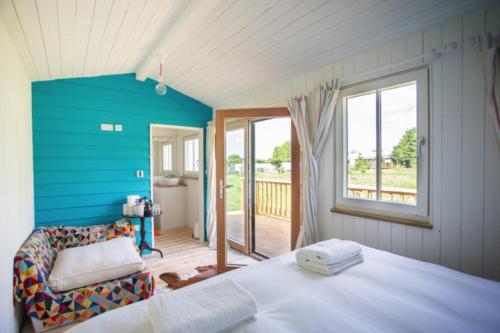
point(64, 237)
point(35, 259)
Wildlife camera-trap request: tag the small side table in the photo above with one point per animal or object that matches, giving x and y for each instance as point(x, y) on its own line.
point(143, 245)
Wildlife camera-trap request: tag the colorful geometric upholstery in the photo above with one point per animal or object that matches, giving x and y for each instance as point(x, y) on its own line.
point(35, 259)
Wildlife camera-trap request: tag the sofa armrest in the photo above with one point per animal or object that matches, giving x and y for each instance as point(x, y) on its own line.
point(32, 265)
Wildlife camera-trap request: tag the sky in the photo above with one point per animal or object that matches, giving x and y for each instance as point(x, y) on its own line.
point(269, 134)
point(398, 115)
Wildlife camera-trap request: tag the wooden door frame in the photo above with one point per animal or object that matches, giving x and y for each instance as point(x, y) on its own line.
point(221, 116)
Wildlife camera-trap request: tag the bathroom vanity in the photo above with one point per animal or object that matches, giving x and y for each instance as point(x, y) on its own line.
point(172, 200)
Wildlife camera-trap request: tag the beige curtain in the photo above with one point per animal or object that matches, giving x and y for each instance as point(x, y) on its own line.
point(211, 188)
point(313, 119)
point(492, 76)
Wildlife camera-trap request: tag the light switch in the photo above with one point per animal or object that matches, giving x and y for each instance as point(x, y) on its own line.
point(118, 128)
point(107, 127)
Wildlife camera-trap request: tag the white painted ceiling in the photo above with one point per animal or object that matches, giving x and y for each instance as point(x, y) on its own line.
point(212, 49)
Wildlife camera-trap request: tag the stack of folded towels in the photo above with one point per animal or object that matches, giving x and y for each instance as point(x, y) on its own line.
point(329, 257)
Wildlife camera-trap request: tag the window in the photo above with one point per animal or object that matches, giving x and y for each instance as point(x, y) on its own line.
point(167, 157)
point(191, 154)
point(382, 139)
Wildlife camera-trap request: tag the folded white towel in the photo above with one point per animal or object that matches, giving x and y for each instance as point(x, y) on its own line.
point(211, 308)
point(328, 269)
point(330, 252)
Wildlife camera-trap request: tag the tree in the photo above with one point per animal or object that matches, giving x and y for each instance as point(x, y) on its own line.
point(361, 164)
point(281, 154)
point(405, 152)
point(234, 159)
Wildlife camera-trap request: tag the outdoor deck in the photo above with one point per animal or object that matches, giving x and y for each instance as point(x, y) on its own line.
point(272, 234)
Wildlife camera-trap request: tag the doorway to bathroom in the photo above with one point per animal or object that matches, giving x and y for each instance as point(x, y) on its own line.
point(176, 168)
point(177, 178)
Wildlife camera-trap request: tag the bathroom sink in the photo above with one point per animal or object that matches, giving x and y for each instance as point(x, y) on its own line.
point(171, 181)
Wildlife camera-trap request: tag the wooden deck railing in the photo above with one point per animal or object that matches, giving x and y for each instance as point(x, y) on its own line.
point(392, 194)
point(273, 197)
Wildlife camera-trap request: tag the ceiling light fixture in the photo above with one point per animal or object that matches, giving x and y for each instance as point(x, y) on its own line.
point(160, 88)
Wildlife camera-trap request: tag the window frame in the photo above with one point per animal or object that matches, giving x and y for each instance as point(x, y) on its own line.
point(418, 212)
point(163, 144)
point(191, 173)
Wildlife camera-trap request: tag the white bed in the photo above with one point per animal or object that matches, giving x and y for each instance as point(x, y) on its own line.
point(386, 293)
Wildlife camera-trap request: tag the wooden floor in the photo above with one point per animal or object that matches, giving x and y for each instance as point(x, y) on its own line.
point(182, 254)
point(272, 235)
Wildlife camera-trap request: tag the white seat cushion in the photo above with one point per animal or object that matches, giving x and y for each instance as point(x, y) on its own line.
point(84, 265)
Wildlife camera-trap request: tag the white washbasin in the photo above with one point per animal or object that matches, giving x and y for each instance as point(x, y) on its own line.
point(171, 181)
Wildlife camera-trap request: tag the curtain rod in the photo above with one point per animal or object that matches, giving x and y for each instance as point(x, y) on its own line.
point(487, 40)
point(406, 64)
point(484, 41)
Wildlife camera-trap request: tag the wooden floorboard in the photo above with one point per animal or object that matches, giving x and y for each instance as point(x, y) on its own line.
point(182, 254)
point(272, 234)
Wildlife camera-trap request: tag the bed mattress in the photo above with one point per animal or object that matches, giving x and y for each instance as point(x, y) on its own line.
point(386, 293)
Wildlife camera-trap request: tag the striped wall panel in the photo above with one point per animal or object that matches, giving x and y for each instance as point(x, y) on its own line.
point(464, 162)
point(82, 174)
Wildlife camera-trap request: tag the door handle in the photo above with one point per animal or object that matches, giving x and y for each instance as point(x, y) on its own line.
point(222, 187)
point(420, 144)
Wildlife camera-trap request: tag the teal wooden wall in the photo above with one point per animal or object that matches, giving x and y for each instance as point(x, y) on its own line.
point(82, 175)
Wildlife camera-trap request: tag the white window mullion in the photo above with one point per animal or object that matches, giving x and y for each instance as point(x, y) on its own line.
point(191, 155)
point(379, 147)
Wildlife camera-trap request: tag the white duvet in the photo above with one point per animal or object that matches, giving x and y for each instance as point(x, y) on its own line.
point(385, 293)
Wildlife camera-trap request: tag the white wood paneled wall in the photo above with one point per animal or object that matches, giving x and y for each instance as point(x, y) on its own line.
point(16, 172)
point(465, 164)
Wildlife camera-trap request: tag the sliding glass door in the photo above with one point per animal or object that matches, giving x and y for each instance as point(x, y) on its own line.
point(236, 184)
point(258, 179)
point(271, 186)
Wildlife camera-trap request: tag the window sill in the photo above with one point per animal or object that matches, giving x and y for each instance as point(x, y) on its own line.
point(406, 221)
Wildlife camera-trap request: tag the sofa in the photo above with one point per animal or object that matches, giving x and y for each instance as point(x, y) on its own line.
point(47, 309)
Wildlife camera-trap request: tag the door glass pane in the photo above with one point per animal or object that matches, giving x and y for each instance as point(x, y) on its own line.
point(399, 144)
point(235, 180)
point(272, 187)
point(361, 146)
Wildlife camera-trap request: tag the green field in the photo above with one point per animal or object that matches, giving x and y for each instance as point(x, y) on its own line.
point(398, 177)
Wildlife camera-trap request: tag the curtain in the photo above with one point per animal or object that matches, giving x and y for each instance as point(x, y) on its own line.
point(211, 188)
point(492, 76)
point(312, 117)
